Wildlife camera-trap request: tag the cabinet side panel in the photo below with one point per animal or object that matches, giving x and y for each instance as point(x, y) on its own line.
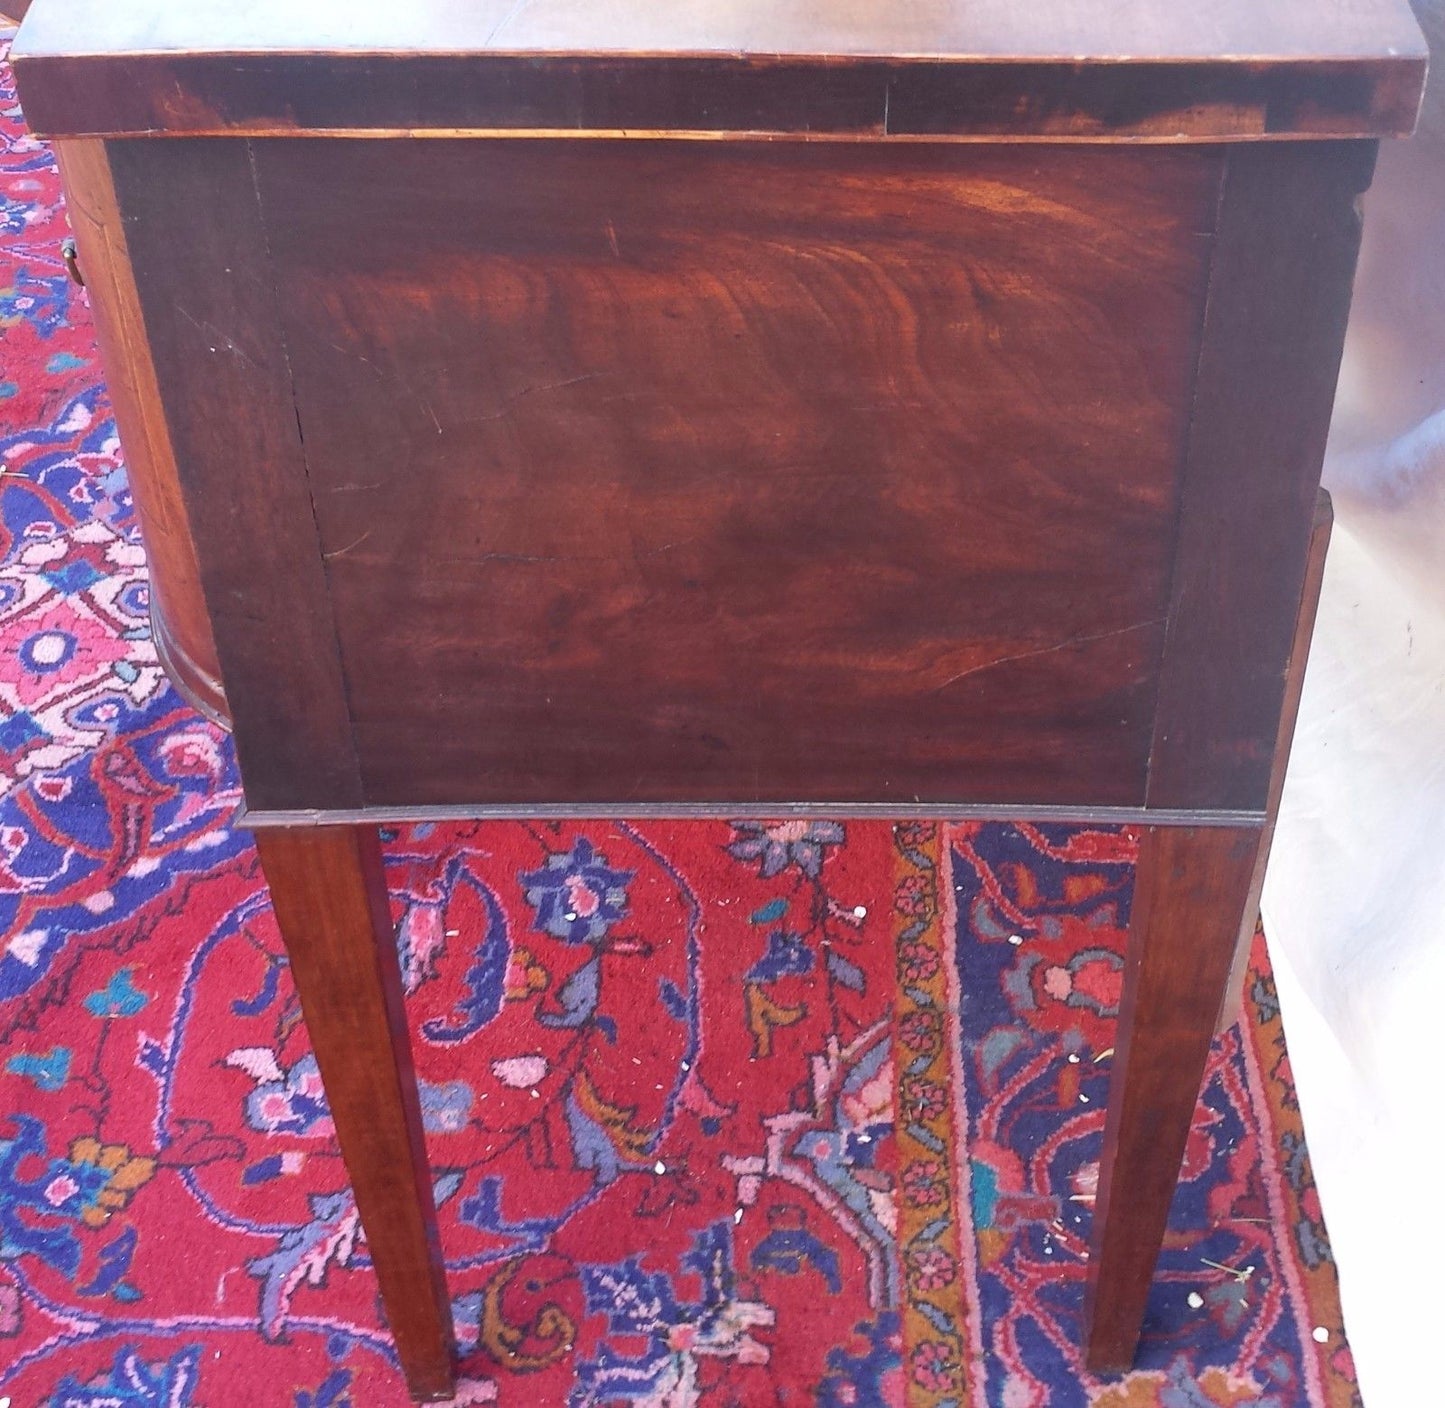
point(207, 297)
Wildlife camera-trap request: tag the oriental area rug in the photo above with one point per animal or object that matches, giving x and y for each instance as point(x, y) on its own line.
point(728, 1114)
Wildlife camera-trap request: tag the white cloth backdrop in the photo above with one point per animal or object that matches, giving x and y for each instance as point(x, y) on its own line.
point(1354, 904)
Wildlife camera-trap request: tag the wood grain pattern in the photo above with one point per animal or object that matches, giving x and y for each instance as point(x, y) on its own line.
point(1189, 892)
point(1279, 300)
point(763, 394)
point(180, 624)
point(329, 892)
point(661, 473)
point(1294, 688)
point(986, 68)
point(200, 264)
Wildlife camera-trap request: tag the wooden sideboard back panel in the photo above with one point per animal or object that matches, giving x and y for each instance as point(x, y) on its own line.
point(654, 471)
point(615, 473)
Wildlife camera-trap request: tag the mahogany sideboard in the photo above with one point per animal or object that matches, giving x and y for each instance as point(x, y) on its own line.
point(597, 407)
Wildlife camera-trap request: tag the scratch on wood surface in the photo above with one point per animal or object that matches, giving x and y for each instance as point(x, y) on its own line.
point(480, 557)
point(328, 556)
point(211, 331)
point(1049, 650)
point(534, 390)
point(360, 357)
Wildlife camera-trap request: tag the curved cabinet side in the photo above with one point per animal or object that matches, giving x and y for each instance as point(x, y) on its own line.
point(180, 623)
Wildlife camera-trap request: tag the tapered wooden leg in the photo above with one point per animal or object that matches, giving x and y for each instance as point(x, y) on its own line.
point(329, 893)
point(1190, 891)
point(1294, 684)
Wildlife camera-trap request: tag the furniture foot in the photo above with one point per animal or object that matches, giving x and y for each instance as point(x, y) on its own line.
point(329, 893)
point(1190, 891)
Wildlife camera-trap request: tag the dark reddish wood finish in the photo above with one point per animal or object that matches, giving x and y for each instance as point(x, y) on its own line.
point(329, 891)
point(616, 488)
point(1189, 893)
point(618, 94)
point(1289, 230)
point(1294, 688)
point(180, 622)
point(985, 68)
point(761, 473)
point(199, 257)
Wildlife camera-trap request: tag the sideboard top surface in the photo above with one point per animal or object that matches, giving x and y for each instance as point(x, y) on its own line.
point(1129, 69)
point(1063, 29)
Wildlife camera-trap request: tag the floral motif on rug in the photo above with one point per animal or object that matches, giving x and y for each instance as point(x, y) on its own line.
point(718, 1113)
